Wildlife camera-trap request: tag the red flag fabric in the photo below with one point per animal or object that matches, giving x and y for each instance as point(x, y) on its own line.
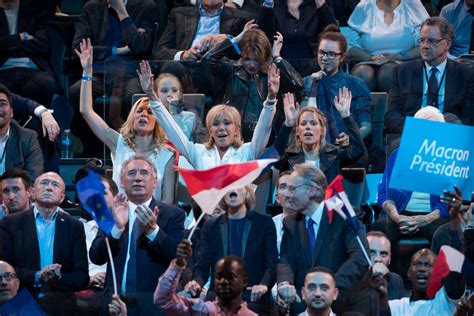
point(449, 259)
point(208, 187)
point(336, 199)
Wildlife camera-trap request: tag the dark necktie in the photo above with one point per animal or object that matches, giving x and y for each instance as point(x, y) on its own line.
point(471, 45)
point(433, 88)
point(311, 236)
point(131, 285)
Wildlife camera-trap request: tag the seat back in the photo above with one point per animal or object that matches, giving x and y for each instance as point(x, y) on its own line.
point(354, 184)
point(379, 106)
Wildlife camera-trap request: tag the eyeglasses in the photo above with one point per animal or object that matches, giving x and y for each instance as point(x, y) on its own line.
point(330, 55)
point(8, 276)
point(430, 41)
point(292, 188)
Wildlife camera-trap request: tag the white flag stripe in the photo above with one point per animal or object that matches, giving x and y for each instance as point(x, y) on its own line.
point(347, 204)
point(454, 258)
point(334, 203)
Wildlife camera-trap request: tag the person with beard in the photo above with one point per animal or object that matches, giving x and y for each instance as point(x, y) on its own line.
point(244, 233)
point(230, 280)
point(461, 15)
point(319, 292)
point(16, 190)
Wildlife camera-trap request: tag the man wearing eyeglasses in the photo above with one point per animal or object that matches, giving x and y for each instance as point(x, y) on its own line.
point(9, 282)
point(434, 80)
point(309, 240)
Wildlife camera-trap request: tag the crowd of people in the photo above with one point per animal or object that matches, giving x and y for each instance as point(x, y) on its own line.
point(283, 78)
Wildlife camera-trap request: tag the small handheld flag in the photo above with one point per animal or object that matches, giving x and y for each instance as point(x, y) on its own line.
point(449, 259)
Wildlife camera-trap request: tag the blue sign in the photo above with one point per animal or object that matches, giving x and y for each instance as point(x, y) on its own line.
point(433, 157)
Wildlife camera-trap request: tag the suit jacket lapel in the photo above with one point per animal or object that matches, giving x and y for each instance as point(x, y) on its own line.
point(245, 236)
point(59, 233)
point(11, 155)
point(304, 241)
point(448, 86)
point(4, 30)
point(30, 238)
point(419, 74)
point(224, 234)
point(322, 235)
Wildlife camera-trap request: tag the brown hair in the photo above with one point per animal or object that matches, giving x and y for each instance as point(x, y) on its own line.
point(333, 33)
point(167, 75)
point(445, 28)
point(249, 199)
point(128, 133)
point(255, 42)
point(321, 121)
point(232, 113)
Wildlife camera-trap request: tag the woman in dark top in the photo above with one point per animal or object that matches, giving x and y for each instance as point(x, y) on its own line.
point(300, 22)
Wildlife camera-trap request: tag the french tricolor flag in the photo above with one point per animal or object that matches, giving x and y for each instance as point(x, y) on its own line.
point(208, 187)
point(448, 260)
point(336, 200)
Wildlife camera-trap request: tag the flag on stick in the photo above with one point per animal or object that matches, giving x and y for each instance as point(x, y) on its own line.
point(448, 260)
point(336, 200)
point(208, 187)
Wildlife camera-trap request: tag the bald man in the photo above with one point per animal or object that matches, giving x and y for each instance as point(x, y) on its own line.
point(47, 248)
point(9, 282)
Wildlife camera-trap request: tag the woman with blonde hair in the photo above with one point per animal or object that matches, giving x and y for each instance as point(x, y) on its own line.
point(140, 133)
point(223, 123)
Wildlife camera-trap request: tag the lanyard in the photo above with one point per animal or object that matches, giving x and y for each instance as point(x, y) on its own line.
point(425, 72)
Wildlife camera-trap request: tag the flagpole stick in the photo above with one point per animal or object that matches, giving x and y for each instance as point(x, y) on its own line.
point(112, 266)
point(195, 226)
point(364, 251)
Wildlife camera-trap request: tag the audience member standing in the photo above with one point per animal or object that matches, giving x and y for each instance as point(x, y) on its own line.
point(47, 248)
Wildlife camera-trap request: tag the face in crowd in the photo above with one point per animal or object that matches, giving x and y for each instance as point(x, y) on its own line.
point(16, 196)
point(379, 250)
point(319, 291)
point(9, 282)
point(138, 180)
point(230, 279)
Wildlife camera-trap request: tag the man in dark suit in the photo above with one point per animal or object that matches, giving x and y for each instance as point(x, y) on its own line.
point(310, 240)
point(144, 251)
point(244, 233)
point(19, 147)
point(193, 30)
point(432, 80)
point(47, 247)
point(24, 52)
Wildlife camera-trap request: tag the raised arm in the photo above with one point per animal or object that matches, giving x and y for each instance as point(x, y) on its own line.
point(264, 125)
point(106, 134)
point(173, 131)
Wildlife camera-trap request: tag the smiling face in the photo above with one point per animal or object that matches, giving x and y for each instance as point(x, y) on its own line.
point(319, 291)
point(169, 90)
point(143, 120)
point(6, 111)
point(309, 129)
point(328, 48)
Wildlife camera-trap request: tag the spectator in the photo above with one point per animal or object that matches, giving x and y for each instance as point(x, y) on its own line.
point(380, 252)
point(170, 92)
point(282, 186)
point(319, 291)
point(139, 134)
point(9, 282)
point(20, 147)
point(117, 307)
point(434, 80)
point(51, 274)
point(143, 239)
point(250, 6)
point(409, 213)
point(460, 15)
point(322, 87)
point(230, 280)
point(309, 240)
point(310, 135)
point(243, 83)
point(243, 233)
point(121, 33)
point(24, 52)
point(445, 300)
point(383, 34)
point(300, 23)
point(223, 124)
point(16, 190)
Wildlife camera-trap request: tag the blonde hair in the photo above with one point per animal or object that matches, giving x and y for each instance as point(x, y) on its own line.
point(229, 111)
point(249, 199)
point(430, 113)
point(128, 133)
point(321, 121)
point(167, 75)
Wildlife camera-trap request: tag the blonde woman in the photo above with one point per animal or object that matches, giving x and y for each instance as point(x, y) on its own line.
point(140, 133)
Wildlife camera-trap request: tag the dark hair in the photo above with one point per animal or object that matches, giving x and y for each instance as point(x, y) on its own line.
point(323, 270)
point(282, 174)
point(452, 118)
point(333, 33)
point(14, 173)
point(376, 233)
point(424, 252)
point(239, 260)
point(254, 41)
point(7, 92)
point(445, 28)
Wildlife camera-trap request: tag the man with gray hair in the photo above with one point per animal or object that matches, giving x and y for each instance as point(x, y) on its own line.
point(143, 239)
point(309, 239)
point(434, 80)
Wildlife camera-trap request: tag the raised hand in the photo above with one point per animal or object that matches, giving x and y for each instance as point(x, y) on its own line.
point(248, 26)
point(146, 80)
point(291, 109)
point(343, 102)
point(120, 210)
point(183, 252)
point(273, 81)
point(85, 54)
point(277, 44)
